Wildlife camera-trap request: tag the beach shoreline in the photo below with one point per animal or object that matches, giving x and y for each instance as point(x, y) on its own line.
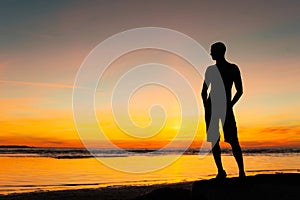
point(261, 186)
point(105, 193)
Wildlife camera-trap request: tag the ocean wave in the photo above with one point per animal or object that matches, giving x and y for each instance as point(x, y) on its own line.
point(72, 153)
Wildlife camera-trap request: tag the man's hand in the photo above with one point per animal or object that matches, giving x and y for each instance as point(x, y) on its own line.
point(236, 97)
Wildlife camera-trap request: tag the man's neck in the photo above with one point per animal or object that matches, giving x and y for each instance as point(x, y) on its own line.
point(221, 61)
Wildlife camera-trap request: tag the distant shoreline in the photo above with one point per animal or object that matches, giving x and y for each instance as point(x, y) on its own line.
point(16, 146)
point(78, 153)
point(143, 148)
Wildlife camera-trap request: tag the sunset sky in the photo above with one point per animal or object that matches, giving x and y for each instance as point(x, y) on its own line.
point(43, 44)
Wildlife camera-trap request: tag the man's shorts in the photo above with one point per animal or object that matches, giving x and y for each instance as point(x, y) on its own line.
point(212, 125)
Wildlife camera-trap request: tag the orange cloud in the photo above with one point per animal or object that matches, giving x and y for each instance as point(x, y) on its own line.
point(37, 84)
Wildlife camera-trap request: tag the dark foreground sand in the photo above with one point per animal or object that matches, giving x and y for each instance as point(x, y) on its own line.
point(264, 186)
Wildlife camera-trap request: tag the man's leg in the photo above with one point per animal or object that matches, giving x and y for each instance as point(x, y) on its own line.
point(230, 134)
point(237, 153)
point(216, 150)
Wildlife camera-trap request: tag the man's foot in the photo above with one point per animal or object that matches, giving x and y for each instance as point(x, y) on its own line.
point(221, 175)
point(242, 175)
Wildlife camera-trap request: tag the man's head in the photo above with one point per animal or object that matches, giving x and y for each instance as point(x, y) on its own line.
point(217, 51)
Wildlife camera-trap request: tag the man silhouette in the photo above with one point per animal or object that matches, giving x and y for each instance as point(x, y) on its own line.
point(229, 75)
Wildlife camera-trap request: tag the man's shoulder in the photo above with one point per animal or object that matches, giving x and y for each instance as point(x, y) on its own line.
point(211, 67)
point(211, 71)
point(234, 67)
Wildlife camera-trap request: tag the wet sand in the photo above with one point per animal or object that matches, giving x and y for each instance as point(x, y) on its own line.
point(263, 186)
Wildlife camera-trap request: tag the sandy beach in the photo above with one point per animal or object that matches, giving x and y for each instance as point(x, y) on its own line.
point(263, 186)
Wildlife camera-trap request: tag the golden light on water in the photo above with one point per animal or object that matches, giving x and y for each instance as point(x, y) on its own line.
point(23, 174)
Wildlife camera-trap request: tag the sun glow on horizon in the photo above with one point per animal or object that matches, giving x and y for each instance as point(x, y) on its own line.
point(44, 46)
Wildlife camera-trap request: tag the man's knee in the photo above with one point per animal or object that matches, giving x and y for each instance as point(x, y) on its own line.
point(216, 149)
point(235, 144)
point(236, 149)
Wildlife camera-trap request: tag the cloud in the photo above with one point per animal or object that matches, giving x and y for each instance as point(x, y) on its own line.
point(38, 84)
point(281, 130)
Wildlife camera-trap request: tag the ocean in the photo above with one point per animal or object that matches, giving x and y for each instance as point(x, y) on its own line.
point(26, 169)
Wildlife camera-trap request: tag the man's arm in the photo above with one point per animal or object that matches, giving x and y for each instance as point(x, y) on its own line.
point(238, 86)
point(204, 93)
